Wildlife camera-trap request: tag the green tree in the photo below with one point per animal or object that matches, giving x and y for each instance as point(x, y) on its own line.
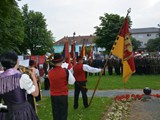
point(11, 26)
point(153, 45)
point(107, 31)
point(37, 38)
point(135, 43)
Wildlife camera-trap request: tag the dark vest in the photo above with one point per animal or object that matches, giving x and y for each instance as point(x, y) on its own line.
point(79, 73)
point(58, 81)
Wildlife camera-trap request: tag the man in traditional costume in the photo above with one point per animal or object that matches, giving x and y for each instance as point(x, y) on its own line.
point(59, 79)
point(80, 85)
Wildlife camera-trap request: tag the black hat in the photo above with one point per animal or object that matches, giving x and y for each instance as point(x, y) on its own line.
point(79, 58)
point(57, 58)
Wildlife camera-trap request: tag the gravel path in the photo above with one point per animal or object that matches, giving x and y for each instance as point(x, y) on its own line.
point(145, 110)
point(106, 93)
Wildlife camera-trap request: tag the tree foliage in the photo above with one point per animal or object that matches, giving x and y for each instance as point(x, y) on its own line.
point(135, 43)
point(107, 31)
point(153, 45)
point(23, 30)
point(37, 38)
point(11, 26)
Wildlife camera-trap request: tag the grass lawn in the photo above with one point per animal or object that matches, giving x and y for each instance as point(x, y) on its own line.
point(94, 112)
point(108, 82)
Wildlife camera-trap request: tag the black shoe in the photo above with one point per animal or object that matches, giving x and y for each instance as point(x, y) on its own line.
point(86, 106)
point(75, 107)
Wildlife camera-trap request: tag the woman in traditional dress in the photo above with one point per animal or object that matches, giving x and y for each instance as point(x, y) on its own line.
point(13, 89)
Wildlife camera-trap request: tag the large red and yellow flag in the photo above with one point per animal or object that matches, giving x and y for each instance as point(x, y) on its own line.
point(122, 48)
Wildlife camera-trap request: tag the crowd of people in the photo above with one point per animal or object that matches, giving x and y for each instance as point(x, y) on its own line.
point(113, 64)
point(57, 74)
point(20, 90)
point(147, 65)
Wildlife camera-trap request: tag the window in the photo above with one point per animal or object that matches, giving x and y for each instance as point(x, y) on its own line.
point(148, 35)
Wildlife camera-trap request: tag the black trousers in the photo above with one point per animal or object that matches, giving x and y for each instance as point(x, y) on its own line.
point(46, 84)
point(110, 70)
point(59, 107)
point(80, 87)
point(39, 97)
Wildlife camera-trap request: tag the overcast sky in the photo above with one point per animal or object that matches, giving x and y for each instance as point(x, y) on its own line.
point(64, 17)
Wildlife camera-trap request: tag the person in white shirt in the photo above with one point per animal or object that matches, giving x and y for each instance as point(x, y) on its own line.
point(79, 72)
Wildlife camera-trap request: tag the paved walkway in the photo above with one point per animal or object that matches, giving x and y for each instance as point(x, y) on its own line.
point(147, 110)
point(107, 93)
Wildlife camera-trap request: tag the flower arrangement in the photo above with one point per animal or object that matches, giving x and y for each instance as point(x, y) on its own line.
point(119, 110)
point(120, 107)
point(156, 95)
point(128, 97)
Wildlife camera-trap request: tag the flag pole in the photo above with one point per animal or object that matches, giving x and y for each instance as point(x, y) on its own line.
point(100, 76)
point(105, 65)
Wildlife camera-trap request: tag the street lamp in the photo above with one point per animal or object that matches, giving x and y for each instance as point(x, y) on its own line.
point(74, 35)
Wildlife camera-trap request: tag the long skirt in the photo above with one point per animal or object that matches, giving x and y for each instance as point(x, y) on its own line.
point(23, 111)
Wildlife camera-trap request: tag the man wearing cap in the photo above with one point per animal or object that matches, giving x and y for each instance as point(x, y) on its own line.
point(80, 85)
point(59, 79)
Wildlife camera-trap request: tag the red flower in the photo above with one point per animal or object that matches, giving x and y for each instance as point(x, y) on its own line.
point(122, 97)
point(116, 98)
point(133, 96)
point(127, 96)
point(158, 95)
point(138, 96)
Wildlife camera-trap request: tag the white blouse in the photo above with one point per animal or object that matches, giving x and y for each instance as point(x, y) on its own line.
point(71, 78)
point(90, 69)
point(27, 84)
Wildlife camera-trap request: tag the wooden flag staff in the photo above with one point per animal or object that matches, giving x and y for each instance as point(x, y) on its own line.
point(100, 76)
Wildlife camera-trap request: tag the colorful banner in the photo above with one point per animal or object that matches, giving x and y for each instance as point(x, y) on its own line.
point(83, 51)
point(90, 55)
point(65, 53)
point(34, 57)
point(122, 48)
point(41, 59)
